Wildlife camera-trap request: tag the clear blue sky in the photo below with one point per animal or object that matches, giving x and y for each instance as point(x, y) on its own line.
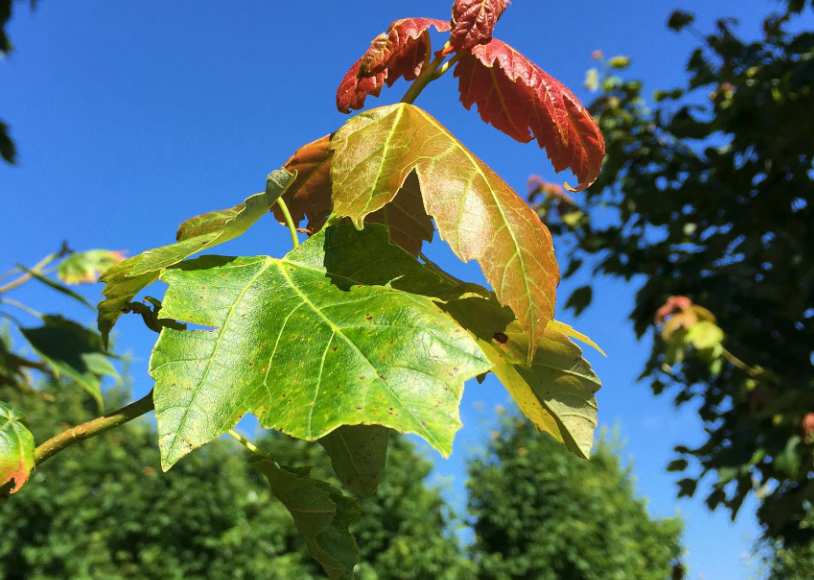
point(133, 116)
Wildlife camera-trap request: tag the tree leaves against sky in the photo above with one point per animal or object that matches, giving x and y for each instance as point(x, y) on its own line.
point(350, 336)
point(400, 52)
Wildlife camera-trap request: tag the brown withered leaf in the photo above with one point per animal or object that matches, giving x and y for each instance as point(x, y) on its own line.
point(516, 96)
point(476, 212)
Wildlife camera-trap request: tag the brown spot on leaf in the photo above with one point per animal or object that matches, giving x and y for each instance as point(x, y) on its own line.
point(501, 338)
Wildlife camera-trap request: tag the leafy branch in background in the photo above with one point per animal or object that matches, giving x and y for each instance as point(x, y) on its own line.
point(60, 347)
point(708, 194)
point(354, 333)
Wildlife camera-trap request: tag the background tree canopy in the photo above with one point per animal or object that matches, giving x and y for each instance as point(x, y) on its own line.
point(711, 194)
point(104, 510)
point(544, 514)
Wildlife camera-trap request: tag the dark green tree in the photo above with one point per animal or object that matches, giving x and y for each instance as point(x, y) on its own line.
point(712, 190)
point(541, 513)
point(106, 511)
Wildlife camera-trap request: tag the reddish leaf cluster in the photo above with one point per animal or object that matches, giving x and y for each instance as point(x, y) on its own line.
point(400, 52)
point(516, 96)
point(473, 22)
point(673, 305)
point(512, 93)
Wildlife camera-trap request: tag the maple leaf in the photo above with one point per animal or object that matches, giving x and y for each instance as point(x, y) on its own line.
point(516, 96)
point(473, 22)
point(399, 52)
point(476, 212)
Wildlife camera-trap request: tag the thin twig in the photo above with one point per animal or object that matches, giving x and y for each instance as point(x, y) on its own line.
point(92, 428)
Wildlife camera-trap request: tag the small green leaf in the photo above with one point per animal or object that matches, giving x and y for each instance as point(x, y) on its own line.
point(705, 335)
point(16, 449)
point(302, 345)
point(86, 267)
point(592, 80)
point(322, 514)
point(358, 454)
point(56, 286)
point(124, 281)
point(73, 350)
point(557, 392)
point(619, 62)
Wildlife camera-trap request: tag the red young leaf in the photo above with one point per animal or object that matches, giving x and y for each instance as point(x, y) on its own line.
point(516, 96)
point(310, 194)
point(399, 52)
point(473, 22)
point(310, 197)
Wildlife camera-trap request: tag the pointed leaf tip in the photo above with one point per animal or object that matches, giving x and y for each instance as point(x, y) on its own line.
point(473, 22)
point(516, 96)
point(322, 514)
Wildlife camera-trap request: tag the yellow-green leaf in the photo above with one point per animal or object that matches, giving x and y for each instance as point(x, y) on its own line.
point(476, 212)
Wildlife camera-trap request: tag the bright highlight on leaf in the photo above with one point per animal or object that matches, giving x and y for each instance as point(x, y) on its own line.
point(476, 212)
point(322, 514)
point(86, 267)
point(299, 343)
point(127, 279)
point(516, 96)
point(473, 22)
point(16, 449)
point(400, 52)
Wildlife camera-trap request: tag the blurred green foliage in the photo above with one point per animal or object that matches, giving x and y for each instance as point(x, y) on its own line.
point(104, 510)
point(711, 193)
point(542, 513)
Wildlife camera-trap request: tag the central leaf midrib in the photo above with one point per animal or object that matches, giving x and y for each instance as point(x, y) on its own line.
point(478, 169)
point(338, 331)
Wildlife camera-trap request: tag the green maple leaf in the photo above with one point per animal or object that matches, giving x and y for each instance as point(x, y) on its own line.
point(302, 344)
point(322, 514)
point(16, 449)
point(125, 280)
point(358, 454)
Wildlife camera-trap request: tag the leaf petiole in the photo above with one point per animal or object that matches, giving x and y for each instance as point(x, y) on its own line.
point(295, 240)
point(247, 444)
point(429, 72)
